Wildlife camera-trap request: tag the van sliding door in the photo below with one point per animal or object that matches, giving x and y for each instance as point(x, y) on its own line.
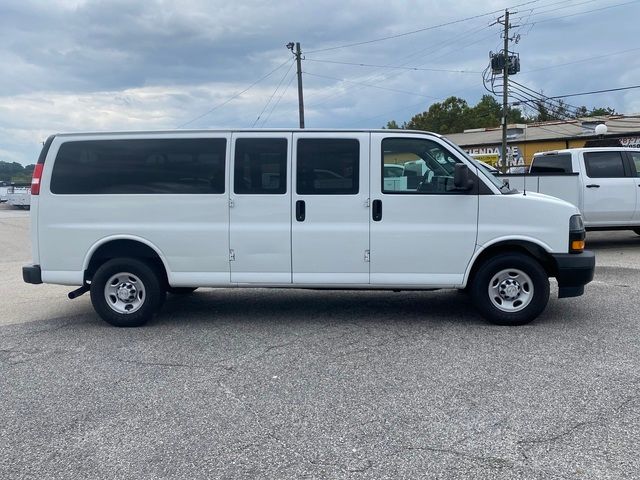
point(330, 212)
point(260, 208)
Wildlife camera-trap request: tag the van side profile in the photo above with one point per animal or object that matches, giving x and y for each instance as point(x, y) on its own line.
point(132, 216)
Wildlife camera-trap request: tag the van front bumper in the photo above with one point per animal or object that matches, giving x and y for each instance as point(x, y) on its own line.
point(573, 272)
point(32, 274)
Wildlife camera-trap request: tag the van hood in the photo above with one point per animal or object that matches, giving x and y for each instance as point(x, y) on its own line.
point(541, 197)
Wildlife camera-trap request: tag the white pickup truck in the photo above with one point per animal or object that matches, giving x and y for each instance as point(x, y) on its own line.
point(19, 197)
point(604, 183)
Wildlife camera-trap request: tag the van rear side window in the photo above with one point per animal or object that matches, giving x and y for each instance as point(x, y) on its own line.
point(140, 166)
point(552, 164)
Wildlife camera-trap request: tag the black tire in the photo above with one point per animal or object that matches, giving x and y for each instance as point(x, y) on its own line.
point(181, 290)
point(637, 230)
point(514, 268)
point(147, 297)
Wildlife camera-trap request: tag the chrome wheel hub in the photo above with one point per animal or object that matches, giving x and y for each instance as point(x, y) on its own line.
point(124, 293)
point(510, 290)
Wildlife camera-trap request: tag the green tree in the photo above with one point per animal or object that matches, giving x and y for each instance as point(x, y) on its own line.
point(594, 112)
point(392, 124)
point(547, 110)
point(24, 176)
point(455, 115)
point(449, 116)
point(9, 170)
point(487, 113)
point(602, 112)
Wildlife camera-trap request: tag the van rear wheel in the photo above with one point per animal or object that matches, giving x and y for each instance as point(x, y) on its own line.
point(126, 292)
point(510, 289)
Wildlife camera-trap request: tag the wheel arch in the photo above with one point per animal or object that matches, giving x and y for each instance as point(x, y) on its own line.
point(532, 248)
point(123, 246)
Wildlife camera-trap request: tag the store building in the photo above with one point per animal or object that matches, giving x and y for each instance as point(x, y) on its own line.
point(524, 140)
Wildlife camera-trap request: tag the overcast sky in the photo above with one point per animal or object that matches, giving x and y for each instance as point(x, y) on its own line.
point(100, 65)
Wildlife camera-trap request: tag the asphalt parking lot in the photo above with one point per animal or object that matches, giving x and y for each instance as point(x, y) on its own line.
point(308, 384)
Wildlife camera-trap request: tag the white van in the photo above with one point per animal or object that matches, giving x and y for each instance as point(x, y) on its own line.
point(131, 216)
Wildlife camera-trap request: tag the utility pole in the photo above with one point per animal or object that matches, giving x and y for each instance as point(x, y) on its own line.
point(506, 64)
point(298, 54)
point(505, 88)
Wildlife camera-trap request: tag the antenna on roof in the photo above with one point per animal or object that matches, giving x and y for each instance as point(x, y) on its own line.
point(526, 174)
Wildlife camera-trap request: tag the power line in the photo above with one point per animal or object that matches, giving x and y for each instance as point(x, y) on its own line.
point(596, 91)
point(404, 34)
point(264, 122)
point(573, 5)
point(384, 76)
point(391, 66)
point(236, 95)
point(371, 86)
point(606, 55)
point(538, 108)
point(434, 48)
point(557, 110)
point(387, 76)
point(400, 67)
point(272, 95)
point(554, 19)
point(543, 96)
point(583, 93)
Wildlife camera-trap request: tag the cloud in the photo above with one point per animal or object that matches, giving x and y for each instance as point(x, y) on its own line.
point(117, 64)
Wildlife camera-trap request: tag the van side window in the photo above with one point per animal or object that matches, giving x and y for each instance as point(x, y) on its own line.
point(328, 166)
point(604, 164)
point(416, 165)
point(552, 164)
point(260, 166)
point(140, 166)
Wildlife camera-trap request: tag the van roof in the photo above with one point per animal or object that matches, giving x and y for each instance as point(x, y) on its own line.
point(258, 130)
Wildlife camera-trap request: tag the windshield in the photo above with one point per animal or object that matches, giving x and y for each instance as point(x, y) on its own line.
point(492, 178)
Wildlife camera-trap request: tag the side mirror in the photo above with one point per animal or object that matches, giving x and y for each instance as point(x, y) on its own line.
point(462, 178)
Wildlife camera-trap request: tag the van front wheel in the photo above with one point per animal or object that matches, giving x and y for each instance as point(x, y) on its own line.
point(126, 292)
point(510, 289)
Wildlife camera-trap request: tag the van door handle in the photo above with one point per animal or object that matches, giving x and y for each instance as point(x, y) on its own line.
point(300, 210)
point(376, 211)
point(593, 185)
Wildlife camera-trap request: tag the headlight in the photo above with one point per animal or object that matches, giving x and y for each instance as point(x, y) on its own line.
point(576, 224)
point(577, 234)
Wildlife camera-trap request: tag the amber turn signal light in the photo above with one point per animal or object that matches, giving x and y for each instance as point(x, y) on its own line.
point(577, 245)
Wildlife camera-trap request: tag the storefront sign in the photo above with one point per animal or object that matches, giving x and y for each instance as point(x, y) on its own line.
point(514, 154)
